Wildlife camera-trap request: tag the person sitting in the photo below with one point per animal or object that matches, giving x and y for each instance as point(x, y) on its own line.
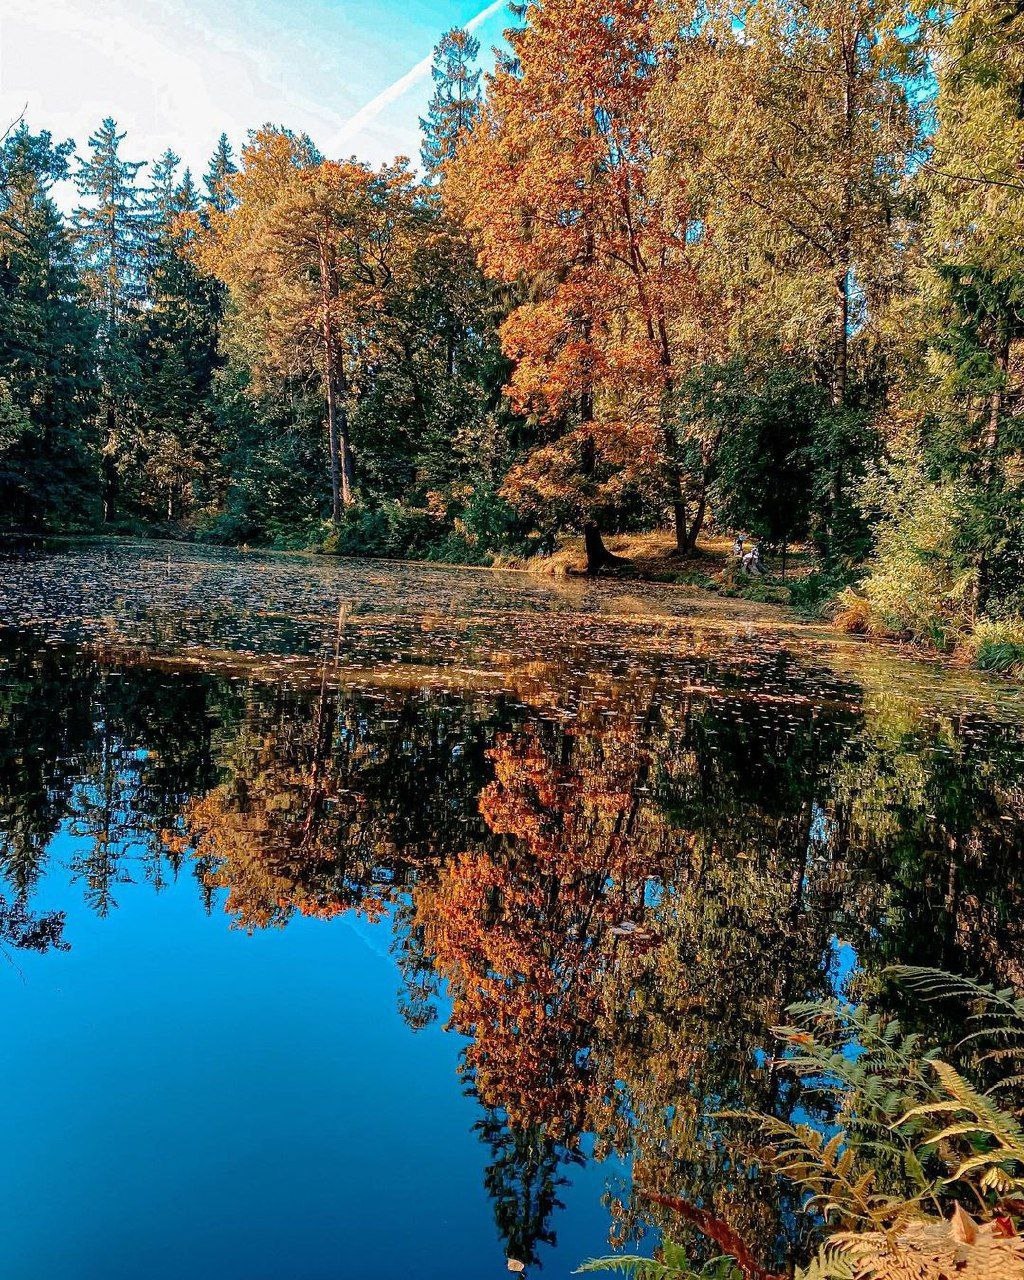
point(737, 548)
point(752, 562)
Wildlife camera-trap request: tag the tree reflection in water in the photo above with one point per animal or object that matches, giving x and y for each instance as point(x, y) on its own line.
point(616, 885)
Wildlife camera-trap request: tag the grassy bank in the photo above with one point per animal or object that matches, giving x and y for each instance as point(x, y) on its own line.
point(651, 557)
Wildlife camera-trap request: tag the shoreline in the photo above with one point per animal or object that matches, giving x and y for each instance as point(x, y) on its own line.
point(776, 612)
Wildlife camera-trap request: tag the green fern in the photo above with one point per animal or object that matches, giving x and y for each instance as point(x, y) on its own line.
point(635, 1267)
point(829, 1263)
point(673, 1265)
point(909, 1134)
point(996, 1017)
point(863, 1060)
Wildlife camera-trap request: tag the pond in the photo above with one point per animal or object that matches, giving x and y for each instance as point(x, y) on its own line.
point(383, 920)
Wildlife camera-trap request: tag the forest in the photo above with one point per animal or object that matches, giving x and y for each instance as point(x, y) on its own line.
point(695, 268)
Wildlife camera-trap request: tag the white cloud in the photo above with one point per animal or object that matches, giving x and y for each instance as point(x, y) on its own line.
point(175, 73)
point(169, 77)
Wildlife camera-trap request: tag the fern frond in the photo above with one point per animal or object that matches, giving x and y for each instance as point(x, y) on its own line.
point(829, 1263)
point(933, 1249)
point(1000, 1124)
point(997, 1012)
point(675, 1268)
point(936, 984)
point(635, 1267)
point(827, 1170)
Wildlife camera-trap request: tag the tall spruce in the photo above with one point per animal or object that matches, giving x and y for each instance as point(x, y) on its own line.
point(161, 199)
point(47, 346)
point(171, 446)
point(456, 101)
point(218, 171)
point(111, 226)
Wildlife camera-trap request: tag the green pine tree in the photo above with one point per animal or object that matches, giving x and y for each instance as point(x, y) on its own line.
point(218, 171)
point(112, 225)
point(456, 100)
point(162, 197)
point(171, 454)
point(48, 347)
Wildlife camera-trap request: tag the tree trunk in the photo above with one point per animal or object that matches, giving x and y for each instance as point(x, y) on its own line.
point(110, 463)
point(345, 445)
point(675, 491)
point(675, 484)
point(841, 372)
point(679, 523)
point(339, 447)
point(844, 253)
point(598, 555)
point(697, 523)
point(332, 440)
point(989, 458)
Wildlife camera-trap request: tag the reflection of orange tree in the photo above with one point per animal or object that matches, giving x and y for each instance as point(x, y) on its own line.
point(268, 835)
point(578, 1025)
point(321, 807)
point(280, 833)
point(508, 938)
point(521, 932)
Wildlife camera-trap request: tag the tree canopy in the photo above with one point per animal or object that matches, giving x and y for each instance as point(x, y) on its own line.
point(680, 267)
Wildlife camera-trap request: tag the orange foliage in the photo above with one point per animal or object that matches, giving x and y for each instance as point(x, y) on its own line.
point(313, 252)
point(280, 836)
point(554, 183)
point(523, 938)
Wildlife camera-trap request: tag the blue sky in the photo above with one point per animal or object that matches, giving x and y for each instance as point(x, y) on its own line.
point(177, 72)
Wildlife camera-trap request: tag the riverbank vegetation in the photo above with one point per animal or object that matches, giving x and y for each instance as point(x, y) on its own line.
point(667, 267)
point(912, 1164)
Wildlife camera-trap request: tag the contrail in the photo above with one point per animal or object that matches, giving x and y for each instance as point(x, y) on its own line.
point(366, 115)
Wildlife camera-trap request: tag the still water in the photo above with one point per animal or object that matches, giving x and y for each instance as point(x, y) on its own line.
point(364, 920)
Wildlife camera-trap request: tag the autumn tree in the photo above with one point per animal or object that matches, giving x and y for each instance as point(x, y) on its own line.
point(312, 251)
point(553, 182)
point(520, 929)
point(792, 132)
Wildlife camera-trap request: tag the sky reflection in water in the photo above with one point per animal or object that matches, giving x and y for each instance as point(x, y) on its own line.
point(519, 877)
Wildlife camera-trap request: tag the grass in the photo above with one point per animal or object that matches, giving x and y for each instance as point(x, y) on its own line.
point(999, 647)
point(650, 557)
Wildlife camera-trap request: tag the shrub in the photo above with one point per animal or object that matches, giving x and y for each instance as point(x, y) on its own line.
point(229, 528)
point(853, 613)
point(818, 591)
point(999, 646)
point(919, 585)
